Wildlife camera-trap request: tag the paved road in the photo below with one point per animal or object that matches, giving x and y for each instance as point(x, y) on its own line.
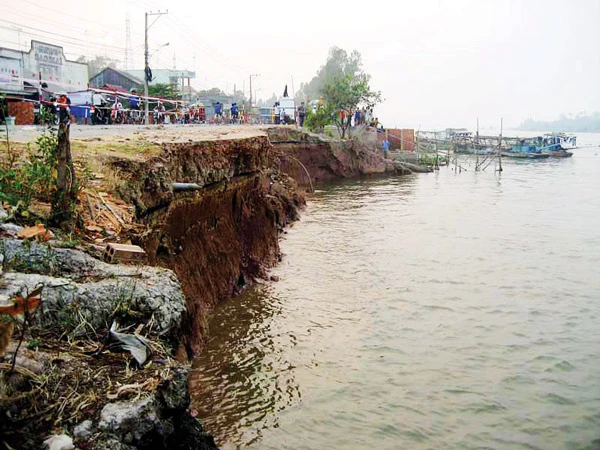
point(28, 133)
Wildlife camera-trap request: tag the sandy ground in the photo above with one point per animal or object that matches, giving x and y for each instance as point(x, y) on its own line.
point(151, 133)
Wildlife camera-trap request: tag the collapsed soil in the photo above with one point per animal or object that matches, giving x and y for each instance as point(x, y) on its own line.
point(63, 382)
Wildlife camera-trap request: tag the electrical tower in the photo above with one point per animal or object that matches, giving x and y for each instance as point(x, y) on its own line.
point(128, 52)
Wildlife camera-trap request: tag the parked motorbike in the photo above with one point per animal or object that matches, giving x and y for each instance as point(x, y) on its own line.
point(100, 115)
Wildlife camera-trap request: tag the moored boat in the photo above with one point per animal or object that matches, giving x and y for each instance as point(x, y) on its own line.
point(530, 148)
point(525, 155)
point(557, 153)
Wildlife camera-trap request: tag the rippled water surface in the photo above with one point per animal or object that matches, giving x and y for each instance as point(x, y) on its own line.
point(432, 311)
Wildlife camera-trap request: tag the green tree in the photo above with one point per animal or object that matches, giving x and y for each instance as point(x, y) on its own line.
point(345, 95)
point(163, 90)
point(211, 92)
point(318, 120)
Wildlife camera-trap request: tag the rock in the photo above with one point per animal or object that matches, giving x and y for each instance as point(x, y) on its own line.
point(11, 228)
point(130, 421)
point(113, 444)
point(59, 442)
point(175, 393)
point(3, 214)
point(93, 288)
point(30, 364)
point(158, 422)
point(83, 430)
point(414, 167)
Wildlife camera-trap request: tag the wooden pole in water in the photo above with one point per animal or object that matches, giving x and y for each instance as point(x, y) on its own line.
point(437, 165)
point(500, 146)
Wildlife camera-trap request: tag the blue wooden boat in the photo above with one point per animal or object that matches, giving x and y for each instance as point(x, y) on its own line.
point(527, 148)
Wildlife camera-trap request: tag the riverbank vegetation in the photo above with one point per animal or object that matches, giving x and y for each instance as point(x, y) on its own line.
point(342, 87)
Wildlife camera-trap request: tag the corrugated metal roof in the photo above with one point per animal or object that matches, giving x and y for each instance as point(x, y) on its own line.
point(122, 73)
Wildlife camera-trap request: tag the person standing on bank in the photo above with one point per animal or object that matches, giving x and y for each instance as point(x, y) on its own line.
point(357, 118)
point(385, 145)
point(301, 114)
point(64, 108)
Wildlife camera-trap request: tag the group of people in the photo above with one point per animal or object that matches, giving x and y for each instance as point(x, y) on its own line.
point(106, 110)
point(360, 116)
point(56, 107)
point(286, 115)
point(234, 115)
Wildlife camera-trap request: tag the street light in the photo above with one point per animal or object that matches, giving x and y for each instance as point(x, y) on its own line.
point(160, 47)
point(157, 49)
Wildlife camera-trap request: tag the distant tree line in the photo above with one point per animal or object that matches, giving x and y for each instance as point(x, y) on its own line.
point(582, 123)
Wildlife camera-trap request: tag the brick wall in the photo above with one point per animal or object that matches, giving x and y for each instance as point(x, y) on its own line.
point(22, 112)
point(400, 139)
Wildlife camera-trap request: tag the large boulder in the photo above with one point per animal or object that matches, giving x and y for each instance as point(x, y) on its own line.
point(160, 421)
point(80, 291)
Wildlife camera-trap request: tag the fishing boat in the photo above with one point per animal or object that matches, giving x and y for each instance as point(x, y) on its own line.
point(556, 144)
point(530, 148)
point(566, 141)
point(525, 155)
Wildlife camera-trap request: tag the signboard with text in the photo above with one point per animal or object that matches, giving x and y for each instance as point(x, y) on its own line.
point(10, 74)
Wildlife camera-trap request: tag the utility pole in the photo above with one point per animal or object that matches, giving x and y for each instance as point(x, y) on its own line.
point(252, 75)
point(146, 66)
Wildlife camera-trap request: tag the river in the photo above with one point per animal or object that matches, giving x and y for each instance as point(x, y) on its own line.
point(444, 310)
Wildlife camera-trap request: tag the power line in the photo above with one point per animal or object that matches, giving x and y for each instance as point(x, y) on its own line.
point(65, 38)
point(28, 18)
point(79, 18)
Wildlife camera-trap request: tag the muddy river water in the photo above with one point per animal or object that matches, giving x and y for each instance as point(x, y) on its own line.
point(438, 310)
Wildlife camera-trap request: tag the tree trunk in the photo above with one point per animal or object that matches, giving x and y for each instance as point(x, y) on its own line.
point(63, 207)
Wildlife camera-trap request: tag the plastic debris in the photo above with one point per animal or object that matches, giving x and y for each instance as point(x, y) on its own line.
point(132, 343)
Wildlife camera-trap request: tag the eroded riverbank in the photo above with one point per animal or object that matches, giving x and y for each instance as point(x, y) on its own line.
point(216, 239)
point(440, 311)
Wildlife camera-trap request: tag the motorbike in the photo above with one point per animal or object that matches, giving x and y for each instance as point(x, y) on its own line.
point(100, 115)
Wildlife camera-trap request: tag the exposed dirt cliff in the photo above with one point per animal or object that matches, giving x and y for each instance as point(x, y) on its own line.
point(223, 233)
point(300, 154)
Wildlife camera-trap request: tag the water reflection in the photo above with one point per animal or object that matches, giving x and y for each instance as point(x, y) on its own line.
point(245, 376)
point(434, 311)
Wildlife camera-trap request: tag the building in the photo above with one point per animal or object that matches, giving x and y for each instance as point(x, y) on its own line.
point(21, 72)
point(175, 77)
point(116, 79)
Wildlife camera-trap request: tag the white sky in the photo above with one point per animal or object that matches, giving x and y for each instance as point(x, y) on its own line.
point(438, 64)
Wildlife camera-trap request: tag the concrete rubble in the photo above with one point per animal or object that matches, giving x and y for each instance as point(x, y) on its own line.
point(90, 290)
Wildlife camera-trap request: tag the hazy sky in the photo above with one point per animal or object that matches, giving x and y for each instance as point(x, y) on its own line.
point(438, 64)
